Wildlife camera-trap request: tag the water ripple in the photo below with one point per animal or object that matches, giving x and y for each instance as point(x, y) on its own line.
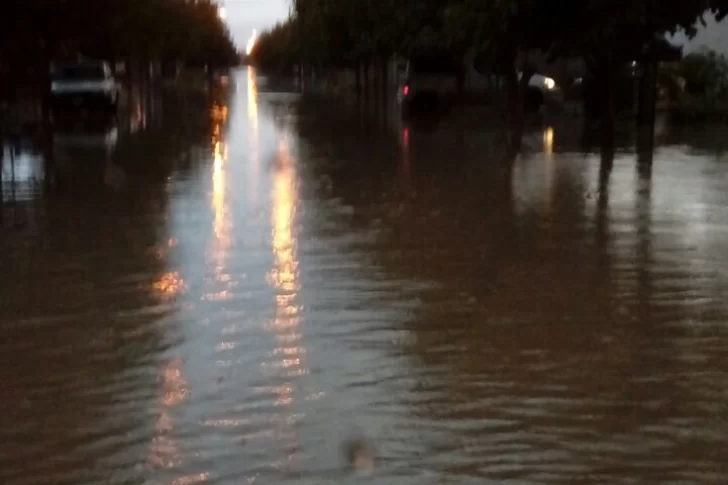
point(293, 289)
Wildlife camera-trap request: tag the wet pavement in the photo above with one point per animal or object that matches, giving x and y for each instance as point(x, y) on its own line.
point(231, 290)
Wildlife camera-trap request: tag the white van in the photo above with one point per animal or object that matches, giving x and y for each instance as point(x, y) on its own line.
point(84, 84)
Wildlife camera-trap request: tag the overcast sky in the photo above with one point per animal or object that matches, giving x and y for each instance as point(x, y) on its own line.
point(713, 36)
point(245, 15)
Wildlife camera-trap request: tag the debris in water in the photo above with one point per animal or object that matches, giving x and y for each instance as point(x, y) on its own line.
point(360, 454)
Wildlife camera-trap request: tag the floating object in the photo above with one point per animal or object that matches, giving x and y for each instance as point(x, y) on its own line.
point(360, 454)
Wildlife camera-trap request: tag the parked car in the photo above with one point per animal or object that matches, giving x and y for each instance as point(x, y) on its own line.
point(87, 84)
point(430, 83)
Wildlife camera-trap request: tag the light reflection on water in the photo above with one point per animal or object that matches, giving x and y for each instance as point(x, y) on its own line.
point(548, 142)
point(289, 355)
point(251, 101)
point(221, 223)
point(559, 323)
point(165, 451)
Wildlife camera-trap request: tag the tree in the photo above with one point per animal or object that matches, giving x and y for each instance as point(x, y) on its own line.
point(502, 30)
point(336, 33)
point(35, 32)
point(608, 34)
point(277, 49)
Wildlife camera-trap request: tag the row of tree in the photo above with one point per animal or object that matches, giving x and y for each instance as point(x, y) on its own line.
point(347, 32)
point(605, 33)
point(35, 32)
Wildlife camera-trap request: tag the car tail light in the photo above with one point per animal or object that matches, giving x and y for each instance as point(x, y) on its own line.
point(405, 90)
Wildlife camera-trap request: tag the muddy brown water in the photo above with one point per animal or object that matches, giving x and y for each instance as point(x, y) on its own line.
point(230, 299)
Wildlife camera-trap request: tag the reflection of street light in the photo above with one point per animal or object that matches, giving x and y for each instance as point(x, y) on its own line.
point(254, 164)
point(548, 141)
point(252, 98)
point(218, 199)
point(285, 275)
point(289, 354)
point(165, 451)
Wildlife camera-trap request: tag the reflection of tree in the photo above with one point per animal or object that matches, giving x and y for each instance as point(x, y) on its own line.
point(167, 146)
point(144, 152)
point(544, 339)
point(85, 300)
point(80, 313)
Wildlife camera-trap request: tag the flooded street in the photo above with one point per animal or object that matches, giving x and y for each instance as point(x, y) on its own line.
point(229, 294)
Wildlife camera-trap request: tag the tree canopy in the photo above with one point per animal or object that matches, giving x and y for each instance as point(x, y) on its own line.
point(340, 32)
point(184, 30)
point(606, 34)
point(623, 30)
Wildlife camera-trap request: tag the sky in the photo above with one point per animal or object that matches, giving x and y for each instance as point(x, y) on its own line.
point(242, 16)
point(713, 36)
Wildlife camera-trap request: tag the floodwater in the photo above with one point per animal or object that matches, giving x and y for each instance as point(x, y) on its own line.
point(231, 290)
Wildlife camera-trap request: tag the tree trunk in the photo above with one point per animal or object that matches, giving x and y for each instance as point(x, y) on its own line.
point(366, 65)
point(2, 166)
point(646, 112)
point(647, 101)
point(384, 78)
point(514, 90)
point(526, 74)
point(49, 159)
point(376, 79)
point(357, 78)
point(44, 85)
point(605, 80)
point(516, 124)
point(460, 78)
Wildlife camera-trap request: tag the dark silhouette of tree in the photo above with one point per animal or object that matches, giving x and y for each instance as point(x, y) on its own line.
point(607, 34)
point(35, 32)
point(503, 29)
point(277, 49)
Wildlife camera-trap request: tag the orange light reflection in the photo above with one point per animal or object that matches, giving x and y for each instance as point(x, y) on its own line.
point(252, 106)
point(165, 451)
point(284, 274)
point(219, 115)
point(169, 284)
point(252, 98)
point(221, 219)
point(289, 356)
point(550, 169)
point(548, 142)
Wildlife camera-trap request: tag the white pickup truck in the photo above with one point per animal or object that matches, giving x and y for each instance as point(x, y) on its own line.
point(87, 84)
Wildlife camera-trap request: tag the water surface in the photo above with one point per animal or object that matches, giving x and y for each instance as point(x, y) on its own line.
point(230, 289)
